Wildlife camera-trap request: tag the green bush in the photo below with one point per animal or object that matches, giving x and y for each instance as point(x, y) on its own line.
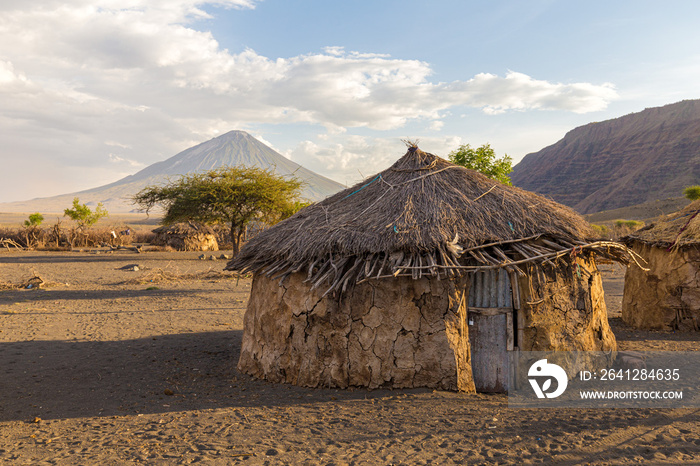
point(35, 220)
point(692, 192)
point(629, 224)
point(83, 215)
point(600, 229)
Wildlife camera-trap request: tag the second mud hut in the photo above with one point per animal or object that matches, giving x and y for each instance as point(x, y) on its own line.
point(425, 275)
point(667, 297)
point(187, 236)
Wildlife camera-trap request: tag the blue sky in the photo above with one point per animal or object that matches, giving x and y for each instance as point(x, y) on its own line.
point(94, 90)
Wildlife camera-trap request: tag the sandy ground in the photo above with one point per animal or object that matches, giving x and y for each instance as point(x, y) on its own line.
point(104, 366)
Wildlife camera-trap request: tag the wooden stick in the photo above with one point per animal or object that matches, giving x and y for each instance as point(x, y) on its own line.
point(552, 255)
point(500, 243)
point(552, 244)
point(490, 189)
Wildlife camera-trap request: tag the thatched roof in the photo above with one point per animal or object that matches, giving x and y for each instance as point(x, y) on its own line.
point(184, 229)
point(417, 217)
point(676, 230)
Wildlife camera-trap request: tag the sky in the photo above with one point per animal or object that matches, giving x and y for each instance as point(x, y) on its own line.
point(94, 90)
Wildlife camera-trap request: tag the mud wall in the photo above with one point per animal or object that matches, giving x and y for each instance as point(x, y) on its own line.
point(667, 297)
point(563, 308)
point(389, 333)
point(196, 242)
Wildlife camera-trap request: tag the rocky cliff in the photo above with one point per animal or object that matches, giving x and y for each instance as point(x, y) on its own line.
point(637, 158)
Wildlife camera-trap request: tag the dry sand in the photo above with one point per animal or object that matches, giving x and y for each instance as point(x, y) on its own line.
point(102, 365)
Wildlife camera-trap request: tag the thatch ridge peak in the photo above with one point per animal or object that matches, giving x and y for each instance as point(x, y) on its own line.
point(675, 230)
point(420, 202)
point(422, 216)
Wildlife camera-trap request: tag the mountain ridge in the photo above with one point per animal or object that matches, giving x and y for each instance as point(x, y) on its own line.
point(636, 158)
point(234, 148)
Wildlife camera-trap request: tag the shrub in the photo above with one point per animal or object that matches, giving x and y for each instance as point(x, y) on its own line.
point(35, 220)
point(692, 192)
point(632, 225)
point(32, 233)
point(625, 227)
point(602, 230)
point(83, 215)
point(11, 234)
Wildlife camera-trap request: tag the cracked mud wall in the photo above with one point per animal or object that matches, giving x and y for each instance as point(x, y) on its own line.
point(388, 333)
point(564, 310)
point(668, 296)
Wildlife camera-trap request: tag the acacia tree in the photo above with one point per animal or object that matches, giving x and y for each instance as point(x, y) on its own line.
point(232, 195)
point(483, 159)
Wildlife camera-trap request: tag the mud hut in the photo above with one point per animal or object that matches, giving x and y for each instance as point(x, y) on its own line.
point(668, 295)
point(425, 275)
point(186, 237)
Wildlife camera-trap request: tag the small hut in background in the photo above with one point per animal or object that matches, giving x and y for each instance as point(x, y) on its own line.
point(186, 237)
point(668, 295)
point(425, 275)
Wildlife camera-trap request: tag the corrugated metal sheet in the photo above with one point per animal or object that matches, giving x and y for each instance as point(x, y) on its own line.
point(490, 288)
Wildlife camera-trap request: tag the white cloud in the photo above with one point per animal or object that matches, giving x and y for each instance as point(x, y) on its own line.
point(437, 125)
point(517, 91)
point(7, 73)
point(336, 51)
point(350, 159)
point(118, 144)
point(91, 72)
point(118, 160)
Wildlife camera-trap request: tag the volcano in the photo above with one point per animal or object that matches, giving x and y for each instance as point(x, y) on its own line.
point(235, 148)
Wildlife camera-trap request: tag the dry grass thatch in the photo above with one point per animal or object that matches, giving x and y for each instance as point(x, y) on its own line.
point(422, 216)
point(184, 229)
point(676, 230)
point(187, 236)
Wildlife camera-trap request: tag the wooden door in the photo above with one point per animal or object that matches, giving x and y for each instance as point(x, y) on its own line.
point(490, 322)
